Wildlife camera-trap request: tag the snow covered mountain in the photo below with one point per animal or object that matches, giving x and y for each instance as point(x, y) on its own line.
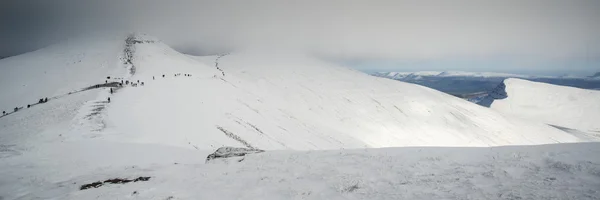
point(270, 103)
point(568, 107)
point(474, 85)
point(174, 108)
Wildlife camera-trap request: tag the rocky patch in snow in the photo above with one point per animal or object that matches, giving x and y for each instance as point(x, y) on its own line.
point(113, 181)
point(227, 152)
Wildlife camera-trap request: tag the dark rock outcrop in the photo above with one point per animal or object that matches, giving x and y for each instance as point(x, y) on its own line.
point(497, 93)
point(113, 181)
point(227, 152)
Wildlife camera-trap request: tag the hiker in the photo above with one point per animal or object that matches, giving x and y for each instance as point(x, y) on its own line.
point(121, 82)
point(111, 91)
point(126, 82)
point(41, 101)
point(16, 109)
point(28, 106)
point(138, 81)
point(152, 77)
point(105, 81)
point(108, 99)
point(142, 83)
point(3, 112)
point(163, 75)
point(46, 100)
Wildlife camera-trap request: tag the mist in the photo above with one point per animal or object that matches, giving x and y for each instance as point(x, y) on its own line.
point(511, 35)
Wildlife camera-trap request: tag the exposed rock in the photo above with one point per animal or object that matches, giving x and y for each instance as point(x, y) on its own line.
point(113, 181)
point(227, 152)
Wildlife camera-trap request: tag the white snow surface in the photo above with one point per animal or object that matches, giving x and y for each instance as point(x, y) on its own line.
point(557, 171)
point(297, 103)
point(58, 69)
point(166, 128)
point(552, 104)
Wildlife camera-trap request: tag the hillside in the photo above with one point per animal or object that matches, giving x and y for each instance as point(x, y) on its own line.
point(293, 102)
point(568, 107)
point(267, 102)
point(176, 109)
point(59, 69)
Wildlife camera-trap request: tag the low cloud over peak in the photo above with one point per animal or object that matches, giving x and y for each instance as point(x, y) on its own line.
point(370, 30)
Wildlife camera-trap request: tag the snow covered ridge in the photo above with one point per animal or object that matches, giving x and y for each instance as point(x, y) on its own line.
point(160, 133)
point(246, 100)
point(561, 106)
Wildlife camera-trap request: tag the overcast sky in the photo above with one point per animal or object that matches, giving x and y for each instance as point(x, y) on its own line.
point(503, 35)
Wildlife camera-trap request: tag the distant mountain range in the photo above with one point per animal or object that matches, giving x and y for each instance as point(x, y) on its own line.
point(421, 74)
point(474, 85)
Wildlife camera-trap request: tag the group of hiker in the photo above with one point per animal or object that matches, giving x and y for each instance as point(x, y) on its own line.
point(179, 74)
point(106, 83)
point(42, 100)
point(134, 84)
point(176, 75)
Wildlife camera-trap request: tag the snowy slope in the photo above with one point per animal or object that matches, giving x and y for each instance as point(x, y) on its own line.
point(558, 171)
point(283, 102)
point(166, 128)
point(60, 73)
point(58, 69)
point(552, 104)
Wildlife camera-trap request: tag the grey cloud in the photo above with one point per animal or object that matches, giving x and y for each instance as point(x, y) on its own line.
point(402, 30)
